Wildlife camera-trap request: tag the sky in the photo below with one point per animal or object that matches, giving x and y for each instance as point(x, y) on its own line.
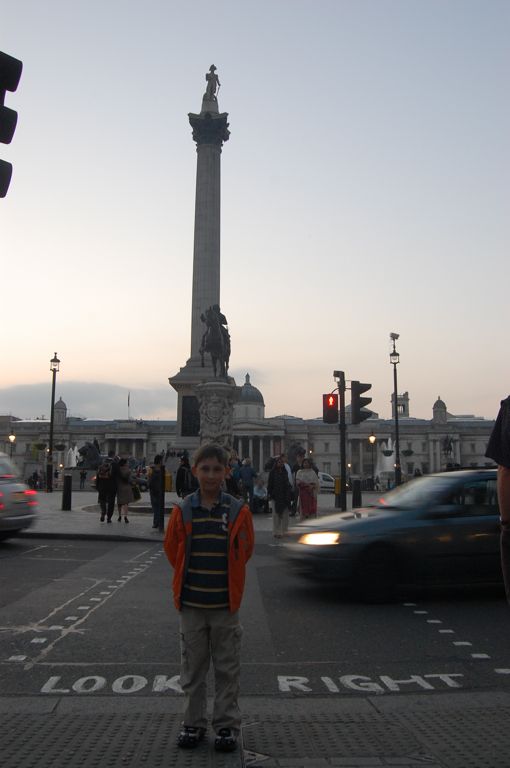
point(365, 190)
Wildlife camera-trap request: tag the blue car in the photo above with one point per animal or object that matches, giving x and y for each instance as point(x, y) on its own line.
point(439, 529)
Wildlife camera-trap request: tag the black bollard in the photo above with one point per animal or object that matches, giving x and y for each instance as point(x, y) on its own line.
point(67, 493)
point(356, 494)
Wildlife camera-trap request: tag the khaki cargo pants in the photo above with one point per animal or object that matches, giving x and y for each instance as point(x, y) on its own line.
point(211, 634)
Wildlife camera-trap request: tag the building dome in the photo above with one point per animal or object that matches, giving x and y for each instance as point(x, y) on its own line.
point(60, 413)
point(439, 413)
point(250, 394)
point(60, 405)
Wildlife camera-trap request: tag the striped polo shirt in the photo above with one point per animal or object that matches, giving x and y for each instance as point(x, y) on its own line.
point(206, 581)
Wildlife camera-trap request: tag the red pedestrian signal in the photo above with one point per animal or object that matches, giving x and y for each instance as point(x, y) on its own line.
point(330, 408)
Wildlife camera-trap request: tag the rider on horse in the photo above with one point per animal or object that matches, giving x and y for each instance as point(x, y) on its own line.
point(216, 338)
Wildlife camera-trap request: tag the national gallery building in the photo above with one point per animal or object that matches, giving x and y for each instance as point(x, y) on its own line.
point(426, 445)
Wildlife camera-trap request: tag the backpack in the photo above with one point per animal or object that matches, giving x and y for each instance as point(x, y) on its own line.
point(105, 471)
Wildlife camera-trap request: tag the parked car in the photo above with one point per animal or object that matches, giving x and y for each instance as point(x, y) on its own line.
point(327, 483)
point(438, 529)
point(17, 500)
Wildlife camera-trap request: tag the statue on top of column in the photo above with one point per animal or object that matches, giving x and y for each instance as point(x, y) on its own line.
point(216, 339)
point(213, 84)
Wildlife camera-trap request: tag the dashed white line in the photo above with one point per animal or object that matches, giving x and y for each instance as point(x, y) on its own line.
point(39, 640)
point(502, 671)
point(462, 642)
point(447, 631)
point(480, 656)
point(16, 658)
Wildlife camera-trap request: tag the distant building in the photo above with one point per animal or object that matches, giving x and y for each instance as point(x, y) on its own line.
point(426, 445)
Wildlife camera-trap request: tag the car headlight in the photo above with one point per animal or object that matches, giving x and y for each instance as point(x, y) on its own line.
point(322, 539)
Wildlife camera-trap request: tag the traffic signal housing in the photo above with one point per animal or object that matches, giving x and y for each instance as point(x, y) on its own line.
point(330, 408)
point(358, 414)
point(10, 73)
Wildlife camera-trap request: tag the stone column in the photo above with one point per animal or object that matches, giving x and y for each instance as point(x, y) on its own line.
point(210, 130)
point(431, 456)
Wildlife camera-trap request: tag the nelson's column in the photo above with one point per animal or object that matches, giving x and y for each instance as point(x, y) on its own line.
point(206, 394)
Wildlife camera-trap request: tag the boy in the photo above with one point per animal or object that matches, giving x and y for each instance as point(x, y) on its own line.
point(208, 541)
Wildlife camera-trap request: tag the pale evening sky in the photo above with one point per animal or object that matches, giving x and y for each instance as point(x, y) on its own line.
point(365, 189)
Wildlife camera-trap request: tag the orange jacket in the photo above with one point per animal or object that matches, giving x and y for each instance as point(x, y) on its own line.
point(241, 539)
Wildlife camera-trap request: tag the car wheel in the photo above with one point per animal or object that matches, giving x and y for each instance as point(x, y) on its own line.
point(376, 575)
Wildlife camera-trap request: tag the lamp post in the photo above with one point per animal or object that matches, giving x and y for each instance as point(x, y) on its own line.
point(394, 360)
point(372, 438)
point(12, 440)
point(54, 364)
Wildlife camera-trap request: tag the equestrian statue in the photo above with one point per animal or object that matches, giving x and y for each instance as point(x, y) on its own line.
point(216, 340)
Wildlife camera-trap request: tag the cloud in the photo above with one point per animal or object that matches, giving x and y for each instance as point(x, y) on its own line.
point(91, 400)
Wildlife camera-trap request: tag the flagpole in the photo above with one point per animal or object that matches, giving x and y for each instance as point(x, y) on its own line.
point(129, 397)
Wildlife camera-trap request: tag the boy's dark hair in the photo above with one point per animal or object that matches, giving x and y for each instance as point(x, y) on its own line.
point(157, 459)
point(210, 451)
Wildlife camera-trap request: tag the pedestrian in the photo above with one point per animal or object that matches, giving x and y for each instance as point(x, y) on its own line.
point(125, 494)
point(247, 475)
point(157, 493)
point(300, 457)
point(308, 488)
point(259, 496)
point(208, 541)
point(106, 484)
point(83, 477)
point(184, 478)
point(280, 495)
point(498, 449)
point(231, 484)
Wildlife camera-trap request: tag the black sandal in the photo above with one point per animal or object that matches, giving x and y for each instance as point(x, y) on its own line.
point(190, 737)
point(225, 741)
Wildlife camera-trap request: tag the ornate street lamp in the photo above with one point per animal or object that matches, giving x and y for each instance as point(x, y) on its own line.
point(54, 368)
point(12, 440)
point(372, 438)
point(394, 361)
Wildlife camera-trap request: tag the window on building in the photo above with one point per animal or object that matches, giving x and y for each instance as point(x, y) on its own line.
point(424, 447)
point(326, 450)
point(327, 467)
point(473, 448)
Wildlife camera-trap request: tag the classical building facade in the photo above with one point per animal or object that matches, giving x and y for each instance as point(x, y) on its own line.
point(426, 445)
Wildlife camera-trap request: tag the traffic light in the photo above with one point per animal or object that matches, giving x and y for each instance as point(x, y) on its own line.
point(358, 403)
point(10, 73)
point(330, 408)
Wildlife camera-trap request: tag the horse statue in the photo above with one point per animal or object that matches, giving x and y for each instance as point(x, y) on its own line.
point(216, 340)
point(90, 456)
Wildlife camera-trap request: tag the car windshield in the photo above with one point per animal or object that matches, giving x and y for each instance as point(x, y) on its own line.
point(7, 469)
point(431, 489)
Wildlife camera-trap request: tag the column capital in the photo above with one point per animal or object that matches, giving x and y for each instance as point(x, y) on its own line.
point(209, 128)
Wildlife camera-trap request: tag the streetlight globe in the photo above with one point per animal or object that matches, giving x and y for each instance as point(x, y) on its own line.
point(12, 438)
point(54, 364)
point(394, 358)
point(372, 438)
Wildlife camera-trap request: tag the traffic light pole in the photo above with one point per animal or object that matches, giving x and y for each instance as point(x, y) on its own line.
point(341, 500)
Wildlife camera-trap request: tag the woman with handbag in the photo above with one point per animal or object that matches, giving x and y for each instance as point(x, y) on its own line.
point(124, 490)
point(280, 494)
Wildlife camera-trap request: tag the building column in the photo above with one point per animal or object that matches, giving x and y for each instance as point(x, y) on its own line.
point(431, 456)
point(250, 447)
point(438, 455)
point(361, 463)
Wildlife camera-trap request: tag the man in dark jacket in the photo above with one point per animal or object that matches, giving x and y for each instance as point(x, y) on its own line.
point(157, 493)
point(106, 484)
point(498, 449)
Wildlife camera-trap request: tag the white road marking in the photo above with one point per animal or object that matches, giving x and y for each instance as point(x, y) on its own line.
point(56, 626)
point(95, 599)
point(434, 621)
point(462, 642)
point(447, 631)
point(420, 613)
point(480, 656)
point(16, 658)
point(83, 608)
point(39, 640)
point(71, 618)
point(502, 671)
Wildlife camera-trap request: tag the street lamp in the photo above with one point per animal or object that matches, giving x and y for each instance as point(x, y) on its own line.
point(12, 440)
point(372, 438)
point(54, 364)
point(394, 361)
